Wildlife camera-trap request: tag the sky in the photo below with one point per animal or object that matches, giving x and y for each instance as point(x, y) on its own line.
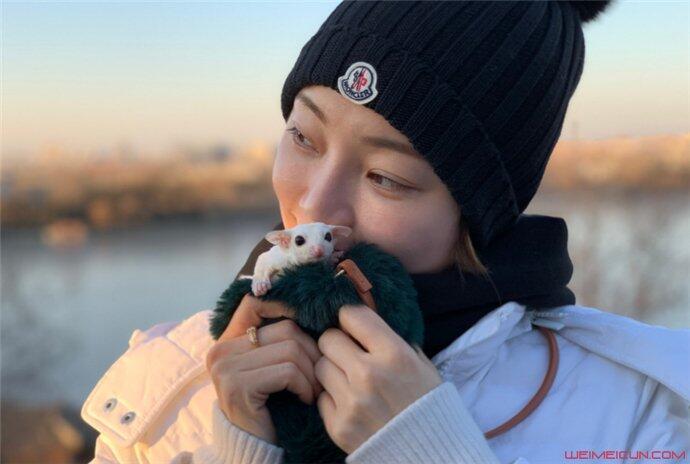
point(154, 75)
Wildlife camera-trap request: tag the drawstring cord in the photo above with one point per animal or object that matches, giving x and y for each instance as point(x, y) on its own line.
point(543, 389)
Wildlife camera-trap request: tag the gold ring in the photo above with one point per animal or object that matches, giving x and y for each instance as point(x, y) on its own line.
point(252, 335)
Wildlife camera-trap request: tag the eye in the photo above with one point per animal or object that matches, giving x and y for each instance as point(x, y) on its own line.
point(299, 138)
point(299, 240)
point(328, 237)
point(389, 184)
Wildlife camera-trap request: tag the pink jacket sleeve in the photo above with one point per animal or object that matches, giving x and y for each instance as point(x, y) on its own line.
point(231, 445)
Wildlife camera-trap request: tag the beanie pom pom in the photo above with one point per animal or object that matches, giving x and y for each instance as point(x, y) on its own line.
point(590, 9)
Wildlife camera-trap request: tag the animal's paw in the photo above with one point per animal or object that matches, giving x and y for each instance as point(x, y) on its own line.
point(260, 286)
point(335, 256)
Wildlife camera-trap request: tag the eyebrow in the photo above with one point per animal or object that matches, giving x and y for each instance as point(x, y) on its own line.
point(380, 142)
point(312, 106)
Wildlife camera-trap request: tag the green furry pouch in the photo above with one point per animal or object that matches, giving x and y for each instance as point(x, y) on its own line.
point(316, 295)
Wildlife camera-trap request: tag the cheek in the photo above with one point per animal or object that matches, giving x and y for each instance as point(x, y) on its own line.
point(418, 235)
point(395, 228)
point(288, 177)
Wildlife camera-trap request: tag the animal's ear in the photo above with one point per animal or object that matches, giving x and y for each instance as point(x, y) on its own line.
point(341, 230)
point(279, 237)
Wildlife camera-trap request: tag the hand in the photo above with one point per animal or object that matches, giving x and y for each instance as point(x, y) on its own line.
point(260, 286)
point(366, 386)
point(244, 375)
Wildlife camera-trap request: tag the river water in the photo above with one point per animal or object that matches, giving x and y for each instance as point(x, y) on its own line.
point(68, 314)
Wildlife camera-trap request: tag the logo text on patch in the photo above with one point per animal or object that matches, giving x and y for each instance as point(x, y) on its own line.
point(359, 83)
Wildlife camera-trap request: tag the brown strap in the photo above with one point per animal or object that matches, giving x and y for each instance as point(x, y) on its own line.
point(541, 393)
point(363, 288)
point(359, 281)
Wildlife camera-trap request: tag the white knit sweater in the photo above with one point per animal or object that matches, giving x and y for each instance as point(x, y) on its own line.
point(437, 428)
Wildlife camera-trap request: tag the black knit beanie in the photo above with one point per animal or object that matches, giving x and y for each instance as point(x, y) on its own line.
point(479, 88)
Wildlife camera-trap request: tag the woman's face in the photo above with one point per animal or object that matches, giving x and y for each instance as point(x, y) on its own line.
point(341, 163)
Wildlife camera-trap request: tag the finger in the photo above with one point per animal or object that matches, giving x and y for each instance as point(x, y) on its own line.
point(277, 353)
point(366, 326)
point(339, 348)
point(327, 409)
point(420, 352)
point(332, 378)
point(281, 331)
point(279, 377)
point(251, 312)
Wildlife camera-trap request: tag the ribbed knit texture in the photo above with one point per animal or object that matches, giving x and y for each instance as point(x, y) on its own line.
point(232, 445)
point(479, 88)
point(435, 429)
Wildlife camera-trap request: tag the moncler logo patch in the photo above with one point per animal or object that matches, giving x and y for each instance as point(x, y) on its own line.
point(359, 83)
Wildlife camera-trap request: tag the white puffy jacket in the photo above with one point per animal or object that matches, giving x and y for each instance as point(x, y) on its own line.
point(621, 394)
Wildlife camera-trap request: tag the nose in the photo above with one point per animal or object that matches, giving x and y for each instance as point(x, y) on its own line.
point(317, 251)
point(328, 195)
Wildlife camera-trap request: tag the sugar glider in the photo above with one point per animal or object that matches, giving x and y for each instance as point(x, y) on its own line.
point(304, 243)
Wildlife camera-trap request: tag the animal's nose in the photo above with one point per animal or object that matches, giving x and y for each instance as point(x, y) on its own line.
point(317, 251)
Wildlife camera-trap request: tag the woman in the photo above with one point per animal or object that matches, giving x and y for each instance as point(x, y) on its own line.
point(426, 128)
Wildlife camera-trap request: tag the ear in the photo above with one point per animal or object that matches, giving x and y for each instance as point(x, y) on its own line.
point(341, 230)
point(279, 237)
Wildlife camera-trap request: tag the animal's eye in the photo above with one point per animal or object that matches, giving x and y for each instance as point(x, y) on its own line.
point(299, 240)
point(328, 237)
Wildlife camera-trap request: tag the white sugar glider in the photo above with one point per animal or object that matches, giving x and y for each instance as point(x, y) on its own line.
point(303, 243)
